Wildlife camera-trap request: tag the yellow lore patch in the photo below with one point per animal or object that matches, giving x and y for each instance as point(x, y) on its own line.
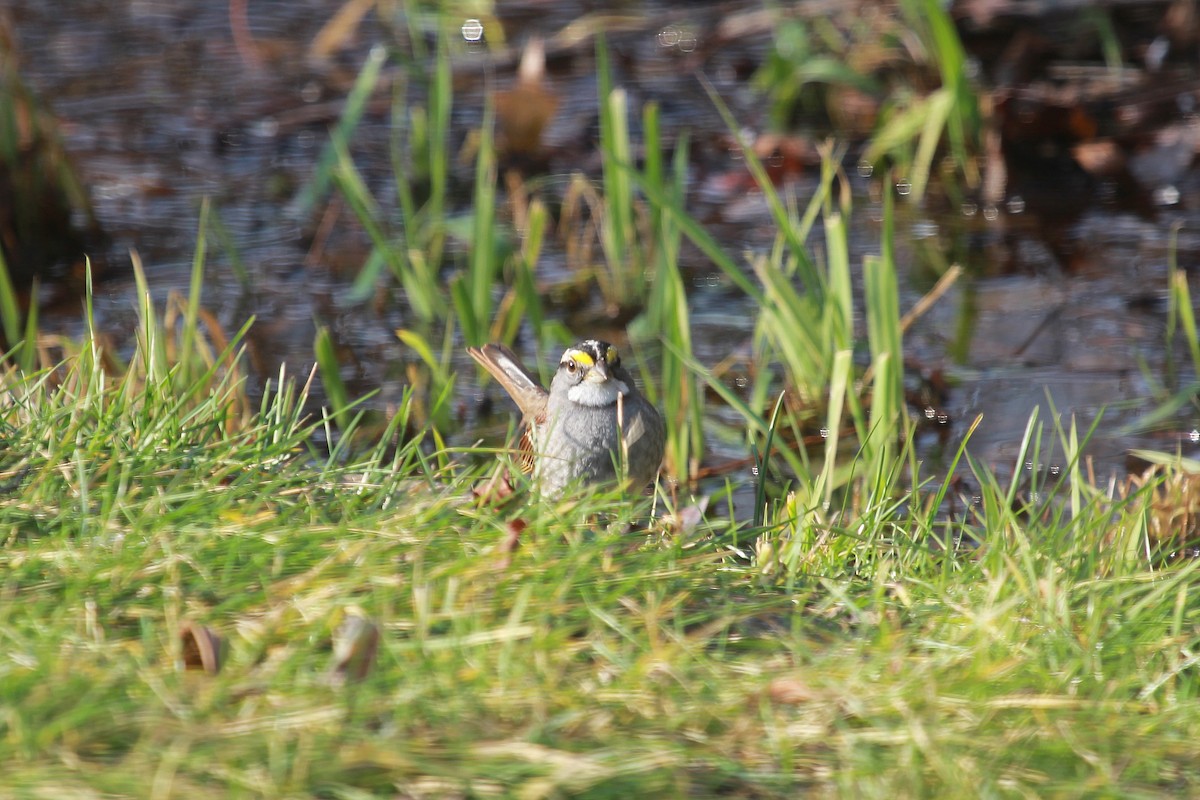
point(581, 357)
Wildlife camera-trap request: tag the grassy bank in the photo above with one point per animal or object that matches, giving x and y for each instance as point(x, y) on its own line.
point(527, 652)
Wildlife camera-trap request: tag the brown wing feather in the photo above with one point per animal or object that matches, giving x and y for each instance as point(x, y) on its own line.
point(529, 395)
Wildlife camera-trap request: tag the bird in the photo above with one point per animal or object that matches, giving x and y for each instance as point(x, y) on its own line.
point(591, 427)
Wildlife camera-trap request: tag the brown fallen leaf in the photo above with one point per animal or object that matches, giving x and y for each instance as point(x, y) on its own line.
point(201, 647)
point(355, 646)
point(496, 490)
point(510, 542)
point(687, 518)
point(790, 690)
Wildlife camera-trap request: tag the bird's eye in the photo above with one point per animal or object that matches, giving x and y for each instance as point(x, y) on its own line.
point(572, 366)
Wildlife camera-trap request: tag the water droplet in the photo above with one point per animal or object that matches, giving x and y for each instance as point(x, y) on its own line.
point(472, 30)
point(1016, 204)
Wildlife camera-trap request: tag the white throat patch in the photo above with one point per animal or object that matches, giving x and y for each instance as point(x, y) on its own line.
point(597, 395)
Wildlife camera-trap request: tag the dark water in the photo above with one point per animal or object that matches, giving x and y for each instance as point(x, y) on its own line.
point(161, 106)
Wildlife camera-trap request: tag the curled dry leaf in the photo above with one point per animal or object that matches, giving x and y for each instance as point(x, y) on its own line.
point(201, 647)
point(355, 645)
point(790, 690)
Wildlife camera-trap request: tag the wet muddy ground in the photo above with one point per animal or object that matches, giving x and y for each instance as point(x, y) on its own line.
point(1063, 302)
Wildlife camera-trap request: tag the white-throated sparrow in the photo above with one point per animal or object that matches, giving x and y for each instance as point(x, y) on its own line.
point(592, 426)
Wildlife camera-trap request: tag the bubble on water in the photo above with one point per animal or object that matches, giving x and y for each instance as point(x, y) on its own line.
point(924, 229)
point(824, 433)
point(668, 36)
point(930, 412)
point(1156, 53)
point(991, 213)
point(865, 169)
point(1166, 196)
point(266, 128)
point(1016, 204)
point(903, 188)
point(472, 30)
point(969, 209)
point(1194, 436)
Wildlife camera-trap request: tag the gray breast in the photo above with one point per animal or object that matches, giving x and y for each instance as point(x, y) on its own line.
point(577, 443)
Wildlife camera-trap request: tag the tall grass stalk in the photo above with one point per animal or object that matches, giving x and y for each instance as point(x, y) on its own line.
point(668, 314)
point(472, 291)
point(10, 307)
point(624, 282)
point(950, 112)
point(888, 420)
point(1181, 317)
point(356, 104)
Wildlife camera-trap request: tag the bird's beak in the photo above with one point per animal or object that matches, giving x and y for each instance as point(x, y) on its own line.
point(598, 373)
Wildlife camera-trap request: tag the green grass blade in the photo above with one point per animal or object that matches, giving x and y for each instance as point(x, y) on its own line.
point(356, 105)
point(10, 306)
